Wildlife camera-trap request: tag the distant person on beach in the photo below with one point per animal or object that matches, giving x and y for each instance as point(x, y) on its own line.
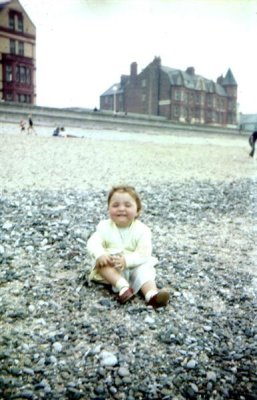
point(30, 128)
point(23, 125)
point(59, 131)
point(252, 142)
point(121, 250)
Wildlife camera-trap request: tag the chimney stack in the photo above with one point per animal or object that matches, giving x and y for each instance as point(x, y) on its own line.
point(133, 70)
point(190, 71)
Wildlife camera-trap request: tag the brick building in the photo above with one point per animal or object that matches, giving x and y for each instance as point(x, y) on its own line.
point(177, 95)
point(17, 54)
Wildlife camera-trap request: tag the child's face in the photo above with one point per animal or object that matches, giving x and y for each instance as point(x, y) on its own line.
point(122, 209)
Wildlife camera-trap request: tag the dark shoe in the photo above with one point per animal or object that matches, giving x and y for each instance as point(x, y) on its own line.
point(126, 296)
point(160, 299)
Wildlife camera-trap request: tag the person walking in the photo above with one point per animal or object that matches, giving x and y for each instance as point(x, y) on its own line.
point(23, 125)
point(30, 128)
point(252, 142)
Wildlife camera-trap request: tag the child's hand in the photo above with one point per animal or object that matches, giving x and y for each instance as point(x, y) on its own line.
point(104, 261)
point(119, 261)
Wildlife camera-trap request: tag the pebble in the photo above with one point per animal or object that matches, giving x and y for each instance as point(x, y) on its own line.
point(149, 320)
point(63, 338)
point(57, 346)
point(211, 376)
point(123, 371)
point(108, 359)
point(191, 364)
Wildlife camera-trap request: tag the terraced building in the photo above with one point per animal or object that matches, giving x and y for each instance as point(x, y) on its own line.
point(17, 54)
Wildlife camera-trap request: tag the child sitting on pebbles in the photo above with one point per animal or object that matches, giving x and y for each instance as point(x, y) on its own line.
point(121, 248)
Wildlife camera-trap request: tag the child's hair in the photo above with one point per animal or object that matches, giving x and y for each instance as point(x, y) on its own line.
point(126, 189)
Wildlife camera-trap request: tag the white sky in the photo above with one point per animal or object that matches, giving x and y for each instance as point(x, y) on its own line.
point(84, 46)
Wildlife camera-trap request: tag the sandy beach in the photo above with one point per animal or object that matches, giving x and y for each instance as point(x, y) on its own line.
point(104, 158)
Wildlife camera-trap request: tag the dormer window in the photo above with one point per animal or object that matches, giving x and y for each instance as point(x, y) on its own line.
point(16, 21)
point(20, 23)
point(11, 21)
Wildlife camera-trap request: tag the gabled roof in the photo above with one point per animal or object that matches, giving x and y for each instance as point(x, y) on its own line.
point(229, 79)
point(4, 3)
point(114, 89)
point(195, 82)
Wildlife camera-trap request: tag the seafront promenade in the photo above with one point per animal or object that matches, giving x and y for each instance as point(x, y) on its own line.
point(89, 119)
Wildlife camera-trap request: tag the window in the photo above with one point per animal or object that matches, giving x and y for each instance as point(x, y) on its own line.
point(8, 73)
point(17, 73)
point(23, 74)
point(143, 97)
point(143, 83)
point(177, 95)
point(20, 23)
point(21, 48)
point(12, 46)
point(209, 101)
point(11, 21)
point(24, 98)
point(197, 113)
point(16, 21)
point(9, 97)
point(28, 76)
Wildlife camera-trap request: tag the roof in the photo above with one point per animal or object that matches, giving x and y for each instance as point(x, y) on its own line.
point(229, 79)
point(187, 79)
point(114, 89)
point(4, 3)
point(193, 81)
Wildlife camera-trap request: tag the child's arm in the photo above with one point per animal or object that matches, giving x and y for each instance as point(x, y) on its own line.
point(98, 252)
point(95, 247)
point(142, 251)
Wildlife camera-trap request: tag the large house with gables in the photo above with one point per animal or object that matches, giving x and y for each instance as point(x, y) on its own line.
point(181, 96)
point(17, 54)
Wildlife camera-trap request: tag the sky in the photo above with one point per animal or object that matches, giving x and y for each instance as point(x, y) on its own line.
point(84, 46)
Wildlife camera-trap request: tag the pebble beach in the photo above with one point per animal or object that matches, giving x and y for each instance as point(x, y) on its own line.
point(63, 338)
